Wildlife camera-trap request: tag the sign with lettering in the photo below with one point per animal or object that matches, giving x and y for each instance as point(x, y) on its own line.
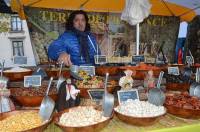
point(89, 69)
point(20, 60)
point(173, 70)
point(96, 94)
point(124, 95)
point(40, 72)
point(32, 81)
point(100, 59)
point(150, 60)
point(107, 28)
point(137, 58)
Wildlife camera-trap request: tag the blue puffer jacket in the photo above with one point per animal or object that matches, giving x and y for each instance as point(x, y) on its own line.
point(68, 42)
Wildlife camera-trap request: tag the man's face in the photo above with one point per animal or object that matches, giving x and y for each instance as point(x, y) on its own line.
point(79, 22)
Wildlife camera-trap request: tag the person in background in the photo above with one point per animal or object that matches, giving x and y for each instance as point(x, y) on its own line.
point(76, 45)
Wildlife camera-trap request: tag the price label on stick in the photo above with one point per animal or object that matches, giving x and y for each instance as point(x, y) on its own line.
point(32, 81)
point(20, 60)
point(137, 58)
point(40, 72)
point(173, 70)
point(100, 59)
point(89, 69)
point(96, 94)
point(149, 60)
point(124, 95)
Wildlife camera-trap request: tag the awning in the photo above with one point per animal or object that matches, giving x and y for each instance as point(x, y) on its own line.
point(159, 7)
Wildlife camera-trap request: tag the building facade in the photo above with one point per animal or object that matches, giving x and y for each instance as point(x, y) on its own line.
point(15, 40)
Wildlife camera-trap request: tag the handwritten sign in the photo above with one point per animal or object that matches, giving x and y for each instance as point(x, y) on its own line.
point(40, 72)
point(173, 70)
point(149, 60)
point(32, 81)
point(96, 94)
point(100, 59)
point(124, 95)
point(20, 60)
point(89, 69)
point(137, 58)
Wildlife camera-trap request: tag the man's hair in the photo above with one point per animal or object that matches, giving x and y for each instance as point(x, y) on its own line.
point(69, 24)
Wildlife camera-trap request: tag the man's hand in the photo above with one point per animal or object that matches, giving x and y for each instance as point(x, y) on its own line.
point(65, 58)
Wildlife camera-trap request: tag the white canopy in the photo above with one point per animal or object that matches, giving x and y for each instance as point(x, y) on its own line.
point(136, 11)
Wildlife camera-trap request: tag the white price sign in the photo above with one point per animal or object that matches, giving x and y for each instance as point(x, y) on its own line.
point(89, 69)
point(173, 70)
point(32, 81)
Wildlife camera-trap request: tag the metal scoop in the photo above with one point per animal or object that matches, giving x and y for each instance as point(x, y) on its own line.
point(47, 105)
point(187, 74)
point(194, 84)
point(195, 87)
point(61, 78)
point(74, 72)
point(108, 100)
point(156, 96)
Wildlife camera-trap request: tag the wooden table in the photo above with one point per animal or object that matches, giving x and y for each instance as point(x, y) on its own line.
point(166, 123)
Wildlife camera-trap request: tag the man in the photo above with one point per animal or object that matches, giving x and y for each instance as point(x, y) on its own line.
point(77, 45)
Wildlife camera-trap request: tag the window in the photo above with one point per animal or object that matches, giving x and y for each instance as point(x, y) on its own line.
point(18, 49)
point(16, 23)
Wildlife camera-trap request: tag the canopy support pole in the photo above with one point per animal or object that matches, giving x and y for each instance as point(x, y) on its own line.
point(168, 8)
point(137, 38)
point(189, 11)
point(33, 2)
point(83, 4)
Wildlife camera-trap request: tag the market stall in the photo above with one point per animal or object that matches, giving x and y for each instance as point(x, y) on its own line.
point(121, 92)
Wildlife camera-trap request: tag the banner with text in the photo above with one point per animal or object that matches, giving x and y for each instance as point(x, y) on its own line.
point(114, 37)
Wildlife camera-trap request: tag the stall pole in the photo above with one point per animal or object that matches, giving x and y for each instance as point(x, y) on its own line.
point(137, 38)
